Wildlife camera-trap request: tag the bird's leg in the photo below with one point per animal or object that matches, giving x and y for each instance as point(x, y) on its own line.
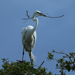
point(30, 55)
point(23, 53)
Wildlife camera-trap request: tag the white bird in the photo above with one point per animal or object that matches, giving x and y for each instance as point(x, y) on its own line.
point(29, 35)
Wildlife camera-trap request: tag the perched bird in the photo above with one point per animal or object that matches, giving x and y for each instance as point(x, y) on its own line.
point(29, 35)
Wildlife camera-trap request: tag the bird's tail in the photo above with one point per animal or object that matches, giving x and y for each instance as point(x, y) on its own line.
point(32, 56)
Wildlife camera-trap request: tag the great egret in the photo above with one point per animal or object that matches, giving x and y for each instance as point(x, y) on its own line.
point(29, 35)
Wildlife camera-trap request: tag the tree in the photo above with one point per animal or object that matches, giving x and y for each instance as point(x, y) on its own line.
point(62, 63)
point(25, 68)
point(21, 68)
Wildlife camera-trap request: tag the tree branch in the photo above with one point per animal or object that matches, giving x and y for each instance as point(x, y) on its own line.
point(37, 16)
point(41, 63)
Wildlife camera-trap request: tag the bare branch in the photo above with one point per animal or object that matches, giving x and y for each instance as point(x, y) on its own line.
point(37, 16)
point(41, 63)
point(27, 14)
point(26, 18)
point(65, 54)
point(54, 17)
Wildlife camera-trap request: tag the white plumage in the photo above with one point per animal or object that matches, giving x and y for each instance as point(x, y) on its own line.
point(28, 40)
point(29, 35)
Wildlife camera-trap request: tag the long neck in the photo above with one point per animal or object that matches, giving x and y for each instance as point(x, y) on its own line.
point(36, 24)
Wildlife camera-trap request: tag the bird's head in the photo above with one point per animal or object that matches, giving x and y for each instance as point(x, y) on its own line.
point(38, 13)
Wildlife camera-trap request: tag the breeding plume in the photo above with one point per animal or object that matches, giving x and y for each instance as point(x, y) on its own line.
point(29, 35)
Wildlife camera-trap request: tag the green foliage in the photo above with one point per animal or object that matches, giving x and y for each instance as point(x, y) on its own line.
point(62, 63)
point(50, 56)
point(26, 68)
point(21, 68)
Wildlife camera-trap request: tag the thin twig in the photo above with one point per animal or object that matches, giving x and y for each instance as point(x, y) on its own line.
point(54, 17)
point(65, 54)
point(27, 14)
point(26, 18)
point(41, 63)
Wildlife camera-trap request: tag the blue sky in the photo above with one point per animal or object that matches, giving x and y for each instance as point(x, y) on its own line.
point(57, 34)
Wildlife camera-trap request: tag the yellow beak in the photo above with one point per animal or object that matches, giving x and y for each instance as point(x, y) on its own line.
point(42, 15)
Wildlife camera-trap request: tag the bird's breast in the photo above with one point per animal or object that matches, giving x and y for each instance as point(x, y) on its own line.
point(29, 39)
